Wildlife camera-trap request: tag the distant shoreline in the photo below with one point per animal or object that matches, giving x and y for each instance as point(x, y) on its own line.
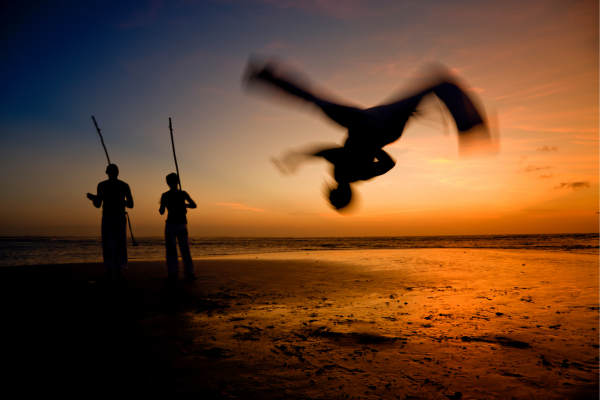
point(308, 237)
point(56, 250)
point(300, 254)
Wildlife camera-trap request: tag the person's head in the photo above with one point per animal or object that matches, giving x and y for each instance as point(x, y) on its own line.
point(172, 180)
point(112, 171)
point(341, 196)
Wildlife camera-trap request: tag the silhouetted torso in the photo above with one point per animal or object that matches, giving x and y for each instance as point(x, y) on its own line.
point(174, 201)
point(112, 193)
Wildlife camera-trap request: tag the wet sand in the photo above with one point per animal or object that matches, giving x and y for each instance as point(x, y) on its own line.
point(373, 324)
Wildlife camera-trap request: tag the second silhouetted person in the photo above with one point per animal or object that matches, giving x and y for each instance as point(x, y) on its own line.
point(177, 202)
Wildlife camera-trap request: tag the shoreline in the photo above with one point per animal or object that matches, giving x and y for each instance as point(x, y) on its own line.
point(68, 250)
point(295, 253)
point(428, 323)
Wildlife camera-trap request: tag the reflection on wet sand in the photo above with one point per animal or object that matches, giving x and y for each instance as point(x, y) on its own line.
point(414, 323)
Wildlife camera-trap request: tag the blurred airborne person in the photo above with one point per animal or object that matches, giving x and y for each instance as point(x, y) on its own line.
point(113, 195)
point(176, 228)
point(362, 156)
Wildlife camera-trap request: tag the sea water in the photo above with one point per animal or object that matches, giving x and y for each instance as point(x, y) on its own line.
point(55, 250)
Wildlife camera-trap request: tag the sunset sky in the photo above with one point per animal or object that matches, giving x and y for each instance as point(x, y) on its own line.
point(533, 65)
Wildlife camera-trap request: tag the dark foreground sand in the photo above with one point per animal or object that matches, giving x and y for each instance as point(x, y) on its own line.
point(401, 324)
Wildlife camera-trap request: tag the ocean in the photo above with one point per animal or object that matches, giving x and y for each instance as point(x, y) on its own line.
point(58, 250)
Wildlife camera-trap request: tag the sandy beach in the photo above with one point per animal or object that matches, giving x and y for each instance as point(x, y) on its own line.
point(373, 324)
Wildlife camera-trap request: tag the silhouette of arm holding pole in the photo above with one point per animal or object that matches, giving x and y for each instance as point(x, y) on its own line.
point(166, 200)
point(190, 203)
point(128, 198)
point(176, 202)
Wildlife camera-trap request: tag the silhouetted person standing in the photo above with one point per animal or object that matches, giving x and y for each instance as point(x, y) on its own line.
point(113, 195)
point(176, 228)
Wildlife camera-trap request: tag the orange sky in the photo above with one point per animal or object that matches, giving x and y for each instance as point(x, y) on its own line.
point(534, 66)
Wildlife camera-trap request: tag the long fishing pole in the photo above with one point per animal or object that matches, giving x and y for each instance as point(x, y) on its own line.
point(130, 230)
point(101, 139)
point(108, 159)
point(174, 155)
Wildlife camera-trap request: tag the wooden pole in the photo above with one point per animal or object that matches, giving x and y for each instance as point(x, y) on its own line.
point(174, 155)
point(108, 159)
point(101, 139)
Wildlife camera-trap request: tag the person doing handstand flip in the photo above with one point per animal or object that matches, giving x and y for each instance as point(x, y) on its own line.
point(176, 228)
point(362, 156)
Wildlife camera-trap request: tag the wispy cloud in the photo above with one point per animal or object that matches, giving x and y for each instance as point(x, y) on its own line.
point(404, 211)
point(532, 167)
point(565, 129)
point(574, 185)
point(475, 89)
point(238, 206)
point(591, 140)
point(441, 161)
point(547, 176)
point(546, 148)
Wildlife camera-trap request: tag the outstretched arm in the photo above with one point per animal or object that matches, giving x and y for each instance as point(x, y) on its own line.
point(266, 74)
point(274, 76)
point(161, 210)
point(292, 159)
point(384, 164)
point(96, 198)
point(349, 168)
point(333, 154)
point(190, 201)
point(128, 198)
